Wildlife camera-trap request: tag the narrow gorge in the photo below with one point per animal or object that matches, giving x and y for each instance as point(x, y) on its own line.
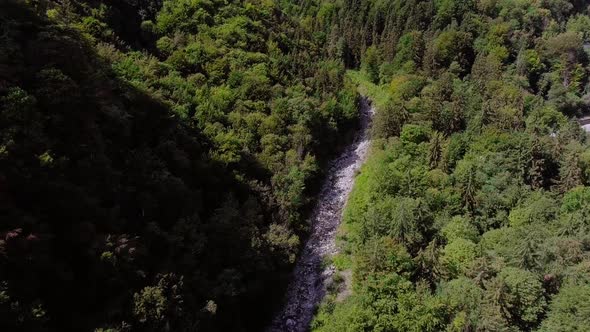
point(308, 286)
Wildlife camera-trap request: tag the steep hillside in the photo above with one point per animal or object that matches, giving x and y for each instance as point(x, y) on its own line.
point(472, 211)
point(157, 161)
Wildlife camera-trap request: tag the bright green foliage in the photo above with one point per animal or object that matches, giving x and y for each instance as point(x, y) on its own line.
point(451, 10)
point(574, 211)
point(143, 139)
point(458, 255)
point(150, 304)
point(576, 200)
point(478, 171)
point(389, 120)
point(383, 255)
point(410, 47)
point(413, 134)
point(569, 310)
point(371, 62)
point(464, 297)
point(405, 87)
point(538, 208)
point(521, 295)
point(459, 227)
point(158, 158)
point(581, 25)
point(400, 218)
point(157, 306)
point(449, 48)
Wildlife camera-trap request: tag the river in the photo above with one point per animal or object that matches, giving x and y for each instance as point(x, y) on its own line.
point(307, 287)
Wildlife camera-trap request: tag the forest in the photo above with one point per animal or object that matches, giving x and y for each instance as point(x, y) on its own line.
point(471, 213)
point(159, 160)
point(156, 161)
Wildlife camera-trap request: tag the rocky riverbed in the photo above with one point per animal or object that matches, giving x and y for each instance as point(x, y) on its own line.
point(308, 287)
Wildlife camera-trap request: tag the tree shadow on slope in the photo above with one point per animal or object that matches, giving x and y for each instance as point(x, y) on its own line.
point(111, 213)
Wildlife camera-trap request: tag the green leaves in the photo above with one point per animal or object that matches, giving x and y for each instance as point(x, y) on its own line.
point(371, 62)
point(401, 218)
point(569, 310)
point(458, 255)
point(521, 295)
point(157, 306)
point(184, 15)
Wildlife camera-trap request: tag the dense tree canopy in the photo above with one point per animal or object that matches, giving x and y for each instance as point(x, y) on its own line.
point(158, 159)
point(478, 174)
